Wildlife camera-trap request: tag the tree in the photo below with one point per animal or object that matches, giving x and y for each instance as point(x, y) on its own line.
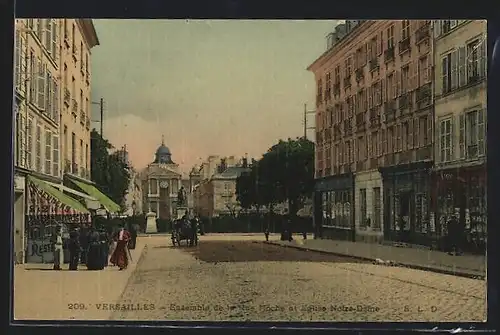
point(110, 173)
point(284, 173)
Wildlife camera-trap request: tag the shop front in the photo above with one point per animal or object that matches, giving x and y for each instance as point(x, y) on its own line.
point(47, 209)
point(407, 199)
point(460, 194)
point(333, 207)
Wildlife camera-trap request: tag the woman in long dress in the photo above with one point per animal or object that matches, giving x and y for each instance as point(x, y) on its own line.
point(58, 249)
point(120, 254)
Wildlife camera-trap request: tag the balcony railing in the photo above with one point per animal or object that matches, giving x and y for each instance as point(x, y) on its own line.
point(373, 64)
point(404, 45)
point(74, 106)
point(422, 33)
point(389, 54)
point(360, 74)
point(82, 117)
point(347, 81)
point(67, 97)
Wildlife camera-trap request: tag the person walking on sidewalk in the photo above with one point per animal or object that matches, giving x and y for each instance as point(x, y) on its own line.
point(454, 236)
point(57, 242)
point(120, 255)
point(74, 250)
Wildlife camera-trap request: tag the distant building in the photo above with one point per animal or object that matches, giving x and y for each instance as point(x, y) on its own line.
point(161, 182)
point(215, 193)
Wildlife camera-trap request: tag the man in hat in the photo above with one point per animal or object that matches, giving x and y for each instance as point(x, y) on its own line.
point(57, 242)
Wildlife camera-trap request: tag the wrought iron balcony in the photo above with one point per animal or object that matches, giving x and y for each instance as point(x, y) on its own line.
point(423, 33)
point(404, 45)
point(67, 97)
point(389, 54)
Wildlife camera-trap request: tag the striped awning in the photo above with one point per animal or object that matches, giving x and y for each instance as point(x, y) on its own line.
point(105, 201)
point(57, 195)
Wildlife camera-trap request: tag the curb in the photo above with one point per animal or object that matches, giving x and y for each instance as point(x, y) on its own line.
point(370, 259)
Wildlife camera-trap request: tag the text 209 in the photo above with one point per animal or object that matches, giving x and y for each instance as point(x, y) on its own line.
point(77, 306)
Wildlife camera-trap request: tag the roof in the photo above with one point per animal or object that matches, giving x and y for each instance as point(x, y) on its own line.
point(163, 150)
point(231, 173)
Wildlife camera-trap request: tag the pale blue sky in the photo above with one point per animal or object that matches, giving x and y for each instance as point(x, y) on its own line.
point(212, 87)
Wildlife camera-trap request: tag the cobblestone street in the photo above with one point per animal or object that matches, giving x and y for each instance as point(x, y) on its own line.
point(248, 280)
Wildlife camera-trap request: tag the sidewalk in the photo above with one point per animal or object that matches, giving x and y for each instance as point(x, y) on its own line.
point(471, 266)
point(43, 294)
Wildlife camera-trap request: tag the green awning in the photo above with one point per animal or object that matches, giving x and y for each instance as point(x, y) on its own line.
point(58, 195)
point(91, 190)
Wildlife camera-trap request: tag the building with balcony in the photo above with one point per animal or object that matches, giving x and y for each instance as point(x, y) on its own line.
point(161, 182)
point(459, 183)
point(374, 130)
point(39, 94)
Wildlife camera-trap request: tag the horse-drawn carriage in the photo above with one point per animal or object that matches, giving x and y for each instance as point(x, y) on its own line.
point(184, 229)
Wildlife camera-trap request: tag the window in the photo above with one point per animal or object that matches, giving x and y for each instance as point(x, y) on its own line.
point(153, 186)
point(81, 57)
point(445, 144)
point(41, 85)
point(390, 140)
point(384, 142)
point(87, 161)
point(48, 94)
point(18, 60)
point(337, 74)
point(348, 66)
point(32, 83)
point(474, 133)
point(65, 28)
point(449, 65)
point(55, 101)
point(375, 145)
point(29, 145)
point(320, 91)
point(86, 63)
point(377, 205)
point(328, 85)
point(373, 48)
point(423, 71)
point(81, 155)
point(81, 99)
point(398, 138)
point(55, 155)
point(65, 143)
point(405, 29)
point(405, 78)
point(363, 222)
point(349, 152)
point(54, 47)
point(390, 37)
point(48, 152)
point(73, 87)
point(73, 38)
point(424, 129)
point(476, 60)
point(38, 149)
point(73, 150)
point(391, 87)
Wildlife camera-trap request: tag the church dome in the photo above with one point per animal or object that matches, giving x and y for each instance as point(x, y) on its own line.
point(163, 154)
point(163, 150)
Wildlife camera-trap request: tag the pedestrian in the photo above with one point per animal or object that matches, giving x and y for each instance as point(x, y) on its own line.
point(94, 254)
point(104, 242)
point(74, 250)
point(120, 256)
point(266, 234)
point(57, 242)
point(454, 236)
point(133, 237)
point(304, 235)
point(84, 244)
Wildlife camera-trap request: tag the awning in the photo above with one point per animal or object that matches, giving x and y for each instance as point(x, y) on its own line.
point(91, 190)
point(91, 202)
point(58, 195)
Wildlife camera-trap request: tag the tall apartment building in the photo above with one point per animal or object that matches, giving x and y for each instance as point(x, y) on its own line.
point(78, 38)
point(459, 187)
point(39, 119)
point(374, 130)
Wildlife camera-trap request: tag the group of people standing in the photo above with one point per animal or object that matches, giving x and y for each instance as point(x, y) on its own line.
point(95, 248)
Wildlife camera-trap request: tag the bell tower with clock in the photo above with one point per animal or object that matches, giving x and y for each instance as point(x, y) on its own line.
point(162, 181)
